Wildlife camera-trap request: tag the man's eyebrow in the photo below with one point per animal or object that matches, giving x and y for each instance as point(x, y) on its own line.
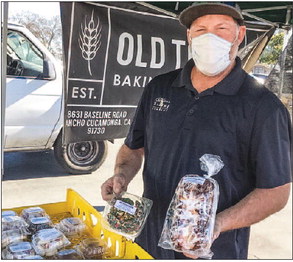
point(223, 23)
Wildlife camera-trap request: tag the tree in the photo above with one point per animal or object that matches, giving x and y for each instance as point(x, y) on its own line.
point(273, 50)
point(48, 31)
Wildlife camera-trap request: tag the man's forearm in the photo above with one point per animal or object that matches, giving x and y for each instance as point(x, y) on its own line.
point(128, 162)
point(255, 207)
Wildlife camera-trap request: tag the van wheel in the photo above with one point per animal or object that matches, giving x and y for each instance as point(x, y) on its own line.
point(82, 157)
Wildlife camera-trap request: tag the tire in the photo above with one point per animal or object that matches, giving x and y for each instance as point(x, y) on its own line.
point(82, 157)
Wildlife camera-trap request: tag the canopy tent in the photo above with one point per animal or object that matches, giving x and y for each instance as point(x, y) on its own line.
point(275, 13)
point(261, 19)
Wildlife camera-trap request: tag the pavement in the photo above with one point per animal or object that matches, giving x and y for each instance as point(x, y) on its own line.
point(36, 178)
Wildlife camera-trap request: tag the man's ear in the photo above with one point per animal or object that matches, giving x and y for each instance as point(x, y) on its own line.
point(241, 35)
point(188, 36)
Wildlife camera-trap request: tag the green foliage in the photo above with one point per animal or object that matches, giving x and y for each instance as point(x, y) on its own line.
point(273, 49)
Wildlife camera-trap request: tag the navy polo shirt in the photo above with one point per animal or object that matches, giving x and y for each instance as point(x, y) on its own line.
point(238, 119)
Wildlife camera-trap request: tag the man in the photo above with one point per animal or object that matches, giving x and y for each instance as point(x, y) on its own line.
point(210, 106)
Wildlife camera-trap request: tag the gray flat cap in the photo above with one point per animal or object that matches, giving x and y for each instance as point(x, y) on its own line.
point(193, 12)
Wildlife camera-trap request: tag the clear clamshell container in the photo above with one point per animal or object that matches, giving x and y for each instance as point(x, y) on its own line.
point(8, 213)
point(47, 242)
point(71, 226)
point(92, 248)
point(33, 212)
point(34, 257)
point(39, 223)
point(126, 214)
point(13, 236)
point(18, 250)
point(13, 222)
point(68, 254)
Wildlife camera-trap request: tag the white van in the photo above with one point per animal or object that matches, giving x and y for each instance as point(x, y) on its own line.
point(34, 111)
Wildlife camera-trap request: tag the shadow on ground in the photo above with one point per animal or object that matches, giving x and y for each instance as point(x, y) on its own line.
point(26, 165)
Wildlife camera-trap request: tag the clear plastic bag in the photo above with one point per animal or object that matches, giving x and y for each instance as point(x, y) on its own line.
point(71, 226)
point(68, 254)
point(33, 212)
point(47, 242)
point(13, 222)
point(190, 218)
point(13, 236)
point(126, 214)
point(92, 248)
point(18, 250)
point(39, 223)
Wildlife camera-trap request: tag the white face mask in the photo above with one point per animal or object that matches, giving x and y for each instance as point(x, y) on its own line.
point(210, 53)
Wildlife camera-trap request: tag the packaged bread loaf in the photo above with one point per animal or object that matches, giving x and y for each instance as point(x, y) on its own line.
point(190, 218)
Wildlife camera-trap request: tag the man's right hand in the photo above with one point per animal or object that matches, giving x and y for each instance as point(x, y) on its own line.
point(113, 186)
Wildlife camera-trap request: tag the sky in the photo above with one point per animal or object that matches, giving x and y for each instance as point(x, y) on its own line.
point(46, 9)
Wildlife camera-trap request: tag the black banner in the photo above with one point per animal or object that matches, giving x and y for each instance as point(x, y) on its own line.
point(111, 54)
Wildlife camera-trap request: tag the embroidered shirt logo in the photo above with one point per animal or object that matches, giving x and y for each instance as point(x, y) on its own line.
point(161, 104)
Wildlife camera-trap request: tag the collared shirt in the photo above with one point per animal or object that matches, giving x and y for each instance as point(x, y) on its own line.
point(237, 119)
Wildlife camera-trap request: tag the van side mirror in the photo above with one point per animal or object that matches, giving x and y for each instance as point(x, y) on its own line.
point(49, 72)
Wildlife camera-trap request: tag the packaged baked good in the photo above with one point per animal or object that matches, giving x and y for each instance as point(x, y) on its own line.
point(126, 214)
point(71, 226)
point(8, 213)
point(18, 250)
point(190, 218)
point(38, 223)
point(13, 236)
point(92, 248)
point(68, 254)
point(47, 242)
point(33, 212)
point(13, 222)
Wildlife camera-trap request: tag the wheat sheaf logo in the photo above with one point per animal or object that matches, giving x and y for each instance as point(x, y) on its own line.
point(90, 40)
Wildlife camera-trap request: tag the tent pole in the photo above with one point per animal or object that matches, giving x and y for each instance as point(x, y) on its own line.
point(282, 72)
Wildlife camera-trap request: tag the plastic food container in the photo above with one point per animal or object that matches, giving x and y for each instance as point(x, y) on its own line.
point(18, 250)
point(34, 257)
point(126, 214)
point(47, 242)
point(190, 219)
point(8, 213)
point(13, 236)
point(39, 223)
point(92, 248)
point(68, 254)
point(33, 212)
point(71, 226)
point(13, 222)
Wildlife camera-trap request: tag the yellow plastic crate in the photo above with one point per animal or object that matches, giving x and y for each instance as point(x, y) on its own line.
point(78, 207)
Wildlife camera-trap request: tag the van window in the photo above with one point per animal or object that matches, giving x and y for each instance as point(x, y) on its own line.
point(23, 57)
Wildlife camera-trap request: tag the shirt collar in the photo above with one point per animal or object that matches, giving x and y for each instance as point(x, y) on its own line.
point(228, 86)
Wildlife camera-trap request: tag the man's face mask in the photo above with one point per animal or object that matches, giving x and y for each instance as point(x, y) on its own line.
point(210, 53)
